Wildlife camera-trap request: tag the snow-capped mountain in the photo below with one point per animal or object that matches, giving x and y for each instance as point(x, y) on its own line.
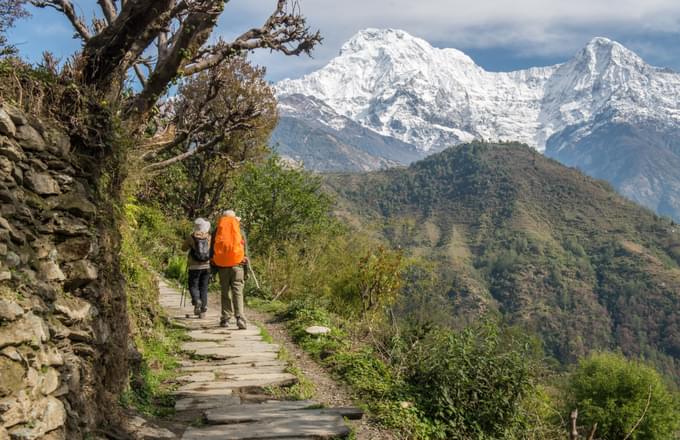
point(398, 86)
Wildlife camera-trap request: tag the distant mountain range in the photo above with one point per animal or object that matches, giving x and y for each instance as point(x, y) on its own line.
point(516, 234)
point(390, 98)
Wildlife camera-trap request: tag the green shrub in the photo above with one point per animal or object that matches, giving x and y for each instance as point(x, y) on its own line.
point(177, 269)
point(471, 383)
point(617, 393)
point(279, 204)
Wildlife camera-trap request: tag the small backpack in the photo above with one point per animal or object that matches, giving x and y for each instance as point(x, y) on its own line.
point(201, 249)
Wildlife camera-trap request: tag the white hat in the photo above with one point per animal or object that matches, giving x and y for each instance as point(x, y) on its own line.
point(231, 213)
point(201, 225)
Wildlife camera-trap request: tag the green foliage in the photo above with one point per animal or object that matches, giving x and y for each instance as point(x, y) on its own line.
point(546, 247)
point(279, 204)
point(157, 235)
point(149, 390)
point(472, 383)
point(617, 393)
point(373, 286)
point(176, 269)
point(439, 383)
point(147, 240)
point(372, 381)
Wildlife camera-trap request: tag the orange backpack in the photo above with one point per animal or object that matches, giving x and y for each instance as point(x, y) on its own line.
point(228, 249)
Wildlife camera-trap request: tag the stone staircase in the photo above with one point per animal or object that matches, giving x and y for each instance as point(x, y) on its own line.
point(223, 386)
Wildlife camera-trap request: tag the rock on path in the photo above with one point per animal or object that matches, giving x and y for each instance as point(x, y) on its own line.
point(229, 371)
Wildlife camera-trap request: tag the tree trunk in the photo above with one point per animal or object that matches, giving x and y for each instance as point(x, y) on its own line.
point(111, 53)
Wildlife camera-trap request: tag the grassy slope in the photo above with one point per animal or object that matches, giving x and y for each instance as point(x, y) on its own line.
point(547, 247)
point(149, 240)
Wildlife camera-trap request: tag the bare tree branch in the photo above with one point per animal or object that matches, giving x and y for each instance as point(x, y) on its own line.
point(140, 75)
point(191, 35)
point(180, 29)
point(109, 10)
point(66, 8)
point(278, 33)
point(187, 154)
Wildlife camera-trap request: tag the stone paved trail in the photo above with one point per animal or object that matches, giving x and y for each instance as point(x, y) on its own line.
point(223, 385)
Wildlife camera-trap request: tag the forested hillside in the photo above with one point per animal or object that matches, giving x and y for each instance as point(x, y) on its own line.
point(514, 233)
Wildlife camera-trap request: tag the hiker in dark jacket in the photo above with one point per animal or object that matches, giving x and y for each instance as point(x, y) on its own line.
point(198, 261)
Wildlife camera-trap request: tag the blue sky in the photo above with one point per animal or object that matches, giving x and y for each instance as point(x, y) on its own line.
point(499, 35)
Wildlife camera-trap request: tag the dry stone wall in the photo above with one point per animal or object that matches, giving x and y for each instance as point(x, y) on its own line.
point(63, 328)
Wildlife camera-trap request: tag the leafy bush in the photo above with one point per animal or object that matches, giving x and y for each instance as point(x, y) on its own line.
point(623, 396)
point(177, 269)
point(148, 238)
point(280, 204)
point(471, 383)
point(373, 285)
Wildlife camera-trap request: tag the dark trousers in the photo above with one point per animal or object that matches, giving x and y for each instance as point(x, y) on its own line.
point(198, 286)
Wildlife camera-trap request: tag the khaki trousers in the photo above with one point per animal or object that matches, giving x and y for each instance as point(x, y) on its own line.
point(231, 283)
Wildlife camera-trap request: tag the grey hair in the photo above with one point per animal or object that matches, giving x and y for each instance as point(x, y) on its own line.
point(201, 225)
point(229, 213)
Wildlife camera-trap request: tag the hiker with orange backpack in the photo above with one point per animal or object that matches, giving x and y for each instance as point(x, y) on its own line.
point(198, 263)
point(230, 260)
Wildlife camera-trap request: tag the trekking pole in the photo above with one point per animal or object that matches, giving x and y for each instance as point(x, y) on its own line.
point(252, 272)
point(250, 267)
point(183, 300)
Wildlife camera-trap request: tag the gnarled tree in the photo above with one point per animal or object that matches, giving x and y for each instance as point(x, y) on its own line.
point(220, 120)
point(162, 39)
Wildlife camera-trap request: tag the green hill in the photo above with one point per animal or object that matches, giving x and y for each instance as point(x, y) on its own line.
point(549, 248)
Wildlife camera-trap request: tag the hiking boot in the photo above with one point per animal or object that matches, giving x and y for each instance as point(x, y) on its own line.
point(224, 322)
point(197, 307)
point(202, 315)
point(241, 323)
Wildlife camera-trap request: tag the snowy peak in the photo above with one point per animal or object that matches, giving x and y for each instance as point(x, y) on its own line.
point(602, 55)
point(605, 50)
point(395, 43)
point(401, 86)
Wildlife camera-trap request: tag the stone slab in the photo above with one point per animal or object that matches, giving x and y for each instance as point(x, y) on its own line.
point(202, 403)
point(200, 376)
point(240, 347)
point(216, 368)
point(319, 426)
point(208, 335)
point(237, 382)
point(230, 353)
point(238, 414)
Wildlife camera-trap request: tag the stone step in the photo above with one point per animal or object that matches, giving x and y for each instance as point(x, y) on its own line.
point(242, 347)
point(262, 367)
point(202, 403)
point(256, 381)
point(270, 411)
point(236, 356)
point(303, 426)
point(212, 335)
point(208, 365)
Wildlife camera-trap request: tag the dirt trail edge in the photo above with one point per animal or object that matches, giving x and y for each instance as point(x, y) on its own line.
point(326, 390)
point(222, 391)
